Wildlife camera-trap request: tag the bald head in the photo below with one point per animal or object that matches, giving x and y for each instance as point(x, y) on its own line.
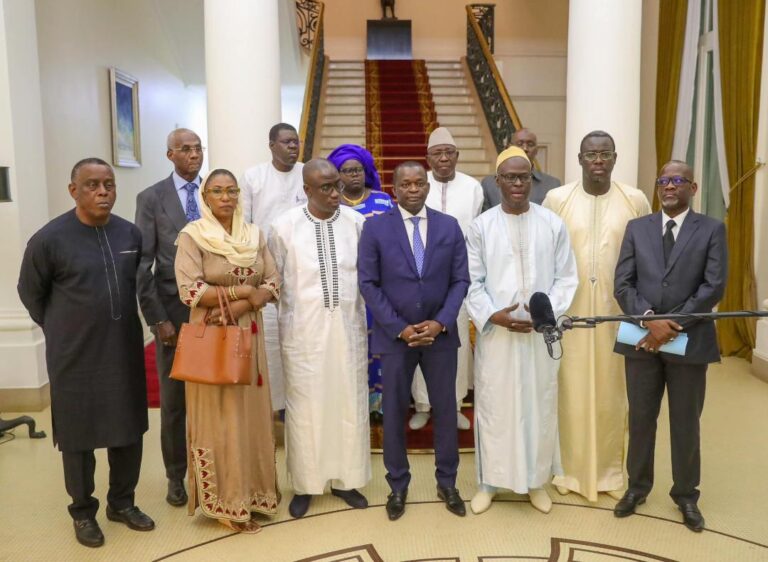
point(526, 139)
point(175, 138)
point(317, 165)
point(679, 166)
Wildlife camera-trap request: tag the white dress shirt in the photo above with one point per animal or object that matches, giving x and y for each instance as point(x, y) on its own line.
point(409, 225)
point(678, 222)
point(180, 182)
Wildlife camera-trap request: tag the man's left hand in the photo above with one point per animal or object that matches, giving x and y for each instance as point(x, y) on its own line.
point(649, 343)
point(426, 332)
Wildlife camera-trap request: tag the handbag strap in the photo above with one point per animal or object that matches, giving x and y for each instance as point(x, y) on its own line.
point(224, 306)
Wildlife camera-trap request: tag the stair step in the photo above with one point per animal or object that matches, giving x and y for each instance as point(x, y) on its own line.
point(443, 64)
point(463, 130)
point(337, 100)
point(346, 82)
point(344, 120)
point(454, 109)
point(449, 73)
point(451, 100)
point(449, 120)
point(343, 130)
point(345, 109)
point(346, 65)
point(345, 90)
point(346, 73)
point(449, 82)
point(450, 90)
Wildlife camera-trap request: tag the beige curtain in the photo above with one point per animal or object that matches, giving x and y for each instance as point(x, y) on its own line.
point(741, 48)
point(672, 18)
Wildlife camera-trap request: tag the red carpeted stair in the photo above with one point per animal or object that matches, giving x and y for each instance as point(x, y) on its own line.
point(153, 384)
point(400, 113)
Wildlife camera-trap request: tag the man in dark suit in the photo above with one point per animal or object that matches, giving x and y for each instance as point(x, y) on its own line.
point(412, 271)
point(162, 210)
point(541, 183)
point(673, 261)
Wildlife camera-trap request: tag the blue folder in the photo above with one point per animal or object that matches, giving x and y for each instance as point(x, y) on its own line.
point(630, 334)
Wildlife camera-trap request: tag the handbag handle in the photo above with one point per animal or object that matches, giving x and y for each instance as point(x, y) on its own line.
point(224, 308)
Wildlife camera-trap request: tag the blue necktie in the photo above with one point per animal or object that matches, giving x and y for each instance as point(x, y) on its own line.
point(193, 213)
point(418, 245)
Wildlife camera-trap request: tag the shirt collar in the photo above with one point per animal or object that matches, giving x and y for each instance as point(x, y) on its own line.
point(678, 219)
point(180, 182)
point(407, 216)
point(536, 174)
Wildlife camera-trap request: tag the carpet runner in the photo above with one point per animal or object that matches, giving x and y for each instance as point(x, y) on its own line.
point(153, 384)
point(400, 113)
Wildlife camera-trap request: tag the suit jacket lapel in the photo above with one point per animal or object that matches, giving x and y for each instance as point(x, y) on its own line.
point(431, 239)
point(689, 227)
point(656, 237)
point(402, 235)
point(169, 199)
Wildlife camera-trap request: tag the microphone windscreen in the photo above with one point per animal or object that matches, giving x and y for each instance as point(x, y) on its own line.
point(541, 311)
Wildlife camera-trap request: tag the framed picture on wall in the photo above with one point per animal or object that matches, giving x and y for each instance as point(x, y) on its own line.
point(124, 101)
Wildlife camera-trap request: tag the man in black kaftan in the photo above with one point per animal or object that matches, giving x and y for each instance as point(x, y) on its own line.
point(78, 282)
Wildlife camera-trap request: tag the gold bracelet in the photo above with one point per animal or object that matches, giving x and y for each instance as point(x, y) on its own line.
point(232, 294)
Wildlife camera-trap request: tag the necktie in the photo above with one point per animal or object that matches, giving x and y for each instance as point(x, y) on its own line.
point(193, 213)
point(418, 245)
point(669, 240)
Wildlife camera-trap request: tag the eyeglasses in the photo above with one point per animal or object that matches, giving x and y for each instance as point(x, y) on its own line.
point(327, 187)
point(352, 171)
point(448, 153)
point(189, 149)
point(514, 178)
point(605, 156)
point(218, 193)
point(677, 181)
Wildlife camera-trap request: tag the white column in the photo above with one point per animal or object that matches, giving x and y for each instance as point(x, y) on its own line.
point(604, 45)
point(760, 353)
point(23, 374)
point(242, 66)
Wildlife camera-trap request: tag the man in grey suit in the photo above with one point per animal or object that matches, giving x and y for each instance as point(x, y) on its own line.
point(162, 210)
point(541, 183)
point(673, 261)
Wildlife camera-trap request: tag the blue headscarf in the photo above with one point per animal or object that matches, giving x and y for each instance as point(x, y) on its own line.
point(346, 152)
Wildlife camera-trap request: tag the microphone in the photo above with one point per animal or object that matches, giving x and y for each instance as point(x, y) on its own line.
point(543, 319)
point(542, 315)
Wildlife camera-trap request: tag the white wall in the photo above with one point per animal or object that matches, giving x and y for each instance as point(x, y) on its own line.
point(294, 64)
point(78, 41)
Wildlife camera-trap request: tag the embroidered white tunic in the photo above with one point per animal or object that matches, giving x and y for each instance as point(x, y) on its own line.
point(321, 315)
point(266, 194)
point(510, 258)
point(462, 198)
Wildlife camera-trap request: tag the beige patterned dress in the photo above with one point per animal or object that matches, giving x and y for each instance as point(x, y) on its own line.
point(231, 456)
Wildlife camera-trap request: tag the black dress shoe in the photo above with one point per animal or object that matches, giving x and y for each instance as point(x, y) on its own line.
point(352, 497)
point(88, 533)
point(452, 500)
point(628, 503)
point(177, 495)
point(396, 504)
point(133, 517)
point(299, 505)
point(692, 517)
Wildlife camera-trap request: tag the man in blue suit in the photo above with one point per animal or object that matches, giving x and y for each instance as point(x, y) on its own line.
point(673, 261)
point(412, 271)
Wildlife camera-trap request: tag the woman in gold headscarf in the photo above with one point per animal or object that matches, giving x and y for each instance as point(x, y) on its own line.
point(232, 472)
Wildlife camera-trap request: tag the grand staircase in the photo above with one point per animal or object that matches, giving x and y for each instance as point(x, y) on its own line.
point(346, 117)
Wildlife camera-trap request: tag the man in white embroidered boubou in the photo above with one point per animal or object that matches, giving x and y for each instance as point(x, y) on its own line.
point(323, 336)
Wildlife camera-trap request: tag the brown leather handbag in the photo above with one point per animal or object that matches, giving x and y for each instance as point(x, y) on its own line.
point(214, 354)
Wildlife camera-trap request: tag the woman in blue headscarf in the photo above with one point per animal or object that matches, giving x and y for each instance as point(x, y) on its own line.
point(362, 192)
